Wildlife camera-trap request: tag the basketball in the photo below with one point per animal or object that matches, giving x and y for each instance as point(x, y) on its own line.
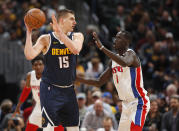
point(35, 18)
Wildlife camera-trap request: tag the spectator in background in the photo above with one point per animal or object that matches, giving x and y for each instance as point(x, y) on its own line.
point(5, 108)
point(119, 110)
point(8, 123)
point(94, 120)
point(136, 14)
point(107, 125)
point(170, 90)
point(107, 98)
point(109, 87)
point(15, 124)
point(81, 99)
point(139, 36)
point(166, 20)
point(118, 22)
point(170, 119)
point(162, 105)
point(97, 95)
point(153, 119)
point(80, 71)
point(89, 99)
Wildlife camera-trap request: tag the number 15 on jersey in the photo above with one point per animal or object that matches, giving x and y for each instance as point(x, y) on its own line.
point(63, 61)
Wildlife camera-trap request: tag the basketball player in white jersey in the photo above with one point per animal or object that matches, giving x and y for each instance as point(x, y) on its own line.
point(33, 80)
point(127, 76)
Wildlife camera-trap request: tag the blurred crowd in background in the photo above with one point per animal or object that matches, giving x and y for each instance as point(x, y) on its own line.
point(154, 25)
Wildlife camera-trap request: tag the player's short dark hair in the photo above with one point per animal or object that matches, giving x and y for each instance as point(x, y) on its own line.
point(64, 12)
point(127, 35)
point(39, 57)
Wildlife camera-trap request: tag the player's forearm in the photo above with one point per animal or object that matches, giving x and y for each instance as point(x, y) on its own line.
point(114, 57)
point(18, 105)
point(73, 47)
point(29, 51)
point(25, 93)
point(89, 81)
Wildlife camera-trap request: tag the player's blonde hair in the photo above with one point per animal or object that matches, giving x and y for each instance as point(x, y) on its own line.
point(62, 13)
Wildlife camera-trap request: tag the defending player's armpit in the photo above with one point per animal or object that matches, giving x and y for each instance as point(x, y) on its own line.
point(25, 93)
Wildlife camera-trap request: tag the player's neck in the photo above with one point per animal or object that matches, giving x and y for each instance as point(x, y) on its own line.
point(38, 76)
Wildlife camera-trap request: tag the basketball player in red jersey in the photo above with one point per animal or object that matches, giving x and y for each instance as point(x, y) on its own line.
point(33, 84)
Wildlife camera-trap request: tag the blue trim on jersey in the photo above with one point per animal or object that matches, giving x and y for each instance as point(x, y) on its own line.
point(136, 94)
point(133, 82)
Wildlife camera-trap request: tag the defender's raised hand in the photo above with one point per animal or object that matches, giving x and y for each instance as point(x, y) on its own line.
point(97, 41)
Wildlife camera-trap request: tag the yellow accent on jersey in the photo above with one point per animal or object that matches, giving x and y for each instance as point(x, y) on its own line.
point(64, 51)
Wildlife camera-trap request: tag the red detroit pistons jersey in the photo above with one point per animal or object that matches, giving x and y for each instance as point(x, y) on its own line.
point(128, 82)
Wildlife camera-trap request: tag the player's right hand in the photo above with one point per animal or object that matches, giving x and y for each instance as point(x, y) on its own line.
point(97, 40)
point(27, 27)
point(17, 111)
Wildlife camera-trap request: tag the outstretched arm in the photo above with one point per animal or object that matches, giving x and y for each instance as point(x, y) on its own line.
point(105, 76)
point(25, 93)
point(74, 45)
point(31, 51)
point(129, 59)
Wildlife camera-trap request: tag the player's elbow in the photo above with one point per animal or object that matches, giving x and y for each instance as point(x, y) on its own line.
point(28, 56)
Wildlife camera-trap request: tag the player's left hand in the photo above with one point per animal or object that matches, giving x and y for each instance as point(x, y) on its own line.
point(54, 24)
point(96, 40)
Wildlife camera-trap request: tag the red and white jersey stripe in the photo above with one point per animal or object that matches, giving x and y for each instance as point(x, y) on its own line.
point(35, 85)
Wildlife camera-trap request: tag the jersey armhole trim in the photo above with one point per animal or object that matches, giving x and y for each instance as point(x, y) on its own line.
point(48, 46)
point(57, 38)
point(135, 55)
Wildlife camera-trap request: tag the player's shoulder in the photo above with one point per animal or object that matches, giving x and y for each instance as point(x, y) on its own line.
point(45, 39)
point(44, 36)
point(29, 74)
point(131, 52)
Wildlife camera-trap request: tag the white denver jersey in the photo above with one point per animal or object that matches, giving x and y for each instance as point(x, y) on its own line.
point(35, 85)
point(129, 82)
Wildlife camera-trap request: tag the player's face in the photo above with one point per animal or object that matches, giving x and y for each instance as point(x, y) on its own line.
point(120, 44)
point(69, 22)
point(38, 66)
